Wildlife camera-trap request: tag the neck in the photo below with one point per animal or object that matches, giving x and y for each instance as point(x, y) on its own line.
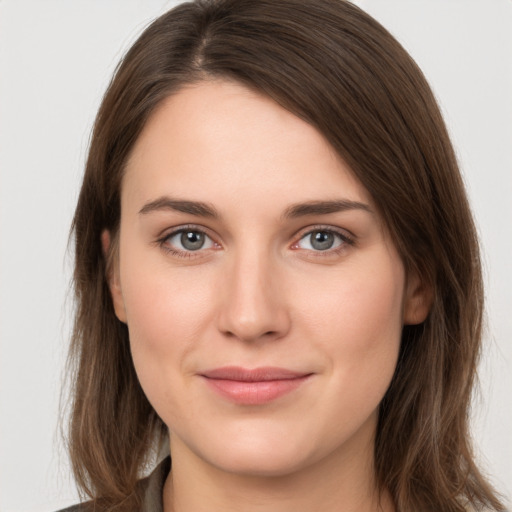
point(339, 482)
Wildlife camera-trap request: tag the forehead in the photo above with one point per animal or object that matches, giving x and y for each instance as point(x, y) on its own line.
point(221, 138)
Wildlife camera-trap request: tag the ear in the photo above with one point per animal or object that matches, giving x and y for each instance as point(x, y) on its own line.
point(418, 300)
point(113, 281)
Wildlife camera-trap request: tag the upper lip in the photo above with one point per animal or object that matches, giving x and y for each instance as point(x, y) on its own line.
point(267, 373)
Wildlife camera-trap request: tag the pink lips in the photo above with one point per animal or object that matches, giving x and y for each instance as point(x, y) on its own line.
point(253, 387)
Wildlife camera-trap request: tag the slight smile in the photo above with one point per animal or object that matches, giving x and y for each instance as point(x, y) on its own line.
point(253, 386)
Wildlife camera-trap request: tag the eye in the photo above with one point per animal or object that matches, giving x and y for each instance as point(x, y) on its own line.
point(188, 240)
point(322, 240)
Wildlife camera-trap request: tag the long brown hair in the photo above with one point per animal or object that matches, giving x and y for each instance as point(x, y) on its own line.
point(337, 68)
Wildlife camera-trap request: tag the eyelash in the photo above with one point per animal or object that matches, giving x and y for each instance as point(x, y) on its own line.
point(162, 241)
point(346, 239)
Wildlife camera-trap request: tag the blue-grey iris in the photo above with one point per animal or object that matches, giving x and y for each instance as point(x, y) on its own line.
point(192, 240)
point(322, 240)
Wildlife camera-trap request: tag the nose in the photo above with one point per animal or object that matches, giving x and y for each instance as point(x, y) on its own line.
point(253, 301)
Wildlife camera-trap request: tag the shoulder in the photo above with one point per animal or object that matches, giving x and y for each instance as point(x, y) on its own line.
point(151, 489)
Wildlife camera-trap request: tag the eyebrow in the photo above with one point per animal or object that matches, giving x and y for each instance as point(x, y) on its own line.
point(324, 208)
point(201, 209)
point(196, 208)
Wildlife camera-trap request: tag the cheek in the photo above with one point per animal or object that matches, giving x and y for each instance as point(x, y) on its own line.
point(161, 313)
point(167, 313)
point(355, 318)
point(363, 303)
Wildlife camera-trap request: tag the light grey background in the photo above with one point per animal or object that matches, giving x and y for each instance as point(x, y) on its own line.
point(56, 58)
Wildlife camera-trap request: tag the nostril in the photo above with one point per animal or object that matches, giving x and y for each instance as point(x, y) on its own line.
point(250, 313)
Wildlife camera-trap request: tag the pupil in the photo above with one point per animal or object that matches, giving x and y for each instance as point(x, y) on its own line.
point(322, 240)
point(192, 240)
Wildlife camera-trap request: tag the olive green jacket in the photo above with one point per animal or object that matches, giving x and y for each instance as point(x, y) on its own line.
point(153, 485)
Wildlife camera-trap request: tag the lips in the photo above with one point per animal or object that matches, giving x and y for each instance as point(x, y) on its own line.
point(253, 386)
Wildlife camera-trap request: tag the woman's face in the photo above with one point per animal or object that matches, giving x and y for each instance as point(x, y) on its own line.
point(263, 297)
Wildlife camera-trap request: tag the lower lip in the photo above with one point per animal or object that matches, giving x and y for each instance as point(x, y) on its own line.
point(255, 393)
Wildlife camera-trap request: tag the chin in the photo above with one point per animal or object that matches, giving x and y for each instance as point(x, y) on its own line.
point(264, 452)
point(272, 462)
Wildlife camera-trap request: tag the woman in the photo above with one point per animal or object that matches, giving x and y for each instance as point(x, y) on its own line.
point(277, 273)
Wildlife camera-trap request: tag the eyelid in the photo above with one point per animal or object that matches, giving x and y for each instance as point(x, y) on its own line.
point(168, 233)
point(347, 237)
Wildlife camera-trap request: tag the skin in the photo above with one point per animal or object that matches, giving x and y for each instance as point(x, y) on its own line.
point(258, 294)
